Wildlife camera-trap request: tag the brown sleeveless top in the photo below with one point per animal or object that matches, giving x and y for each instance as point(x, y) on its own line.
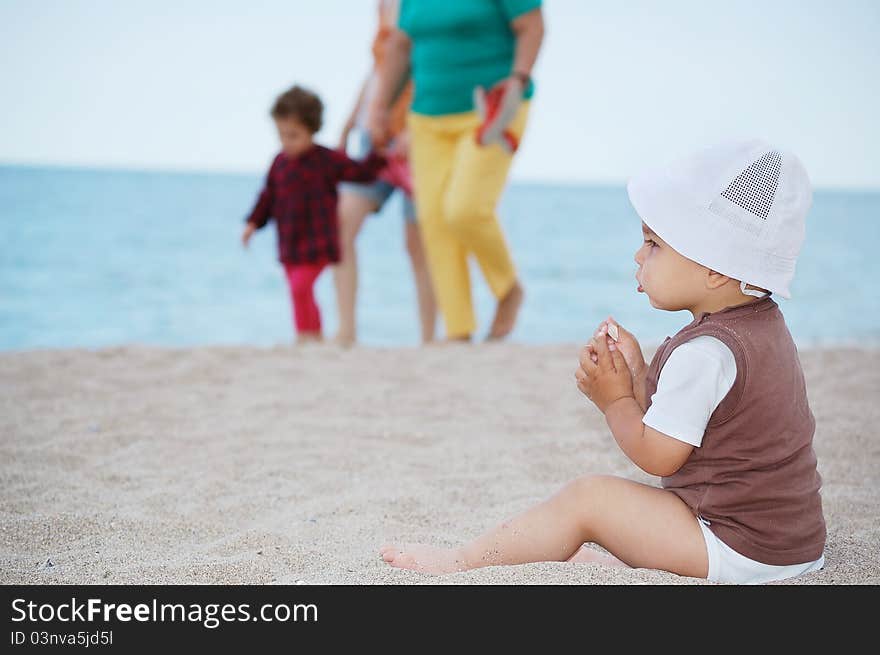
point(754, 478)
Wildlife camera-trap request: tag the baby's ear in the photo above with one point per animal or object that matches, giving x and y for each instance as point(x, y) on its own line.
point(715, 280)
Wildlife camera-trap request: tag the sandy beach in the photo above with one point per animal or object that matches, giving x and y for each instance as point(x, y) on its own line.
point(287, 465)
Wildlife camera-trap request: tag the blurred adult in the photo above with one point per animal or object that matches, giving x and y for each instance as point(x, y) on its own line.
point(357, 201)
point(448, 50)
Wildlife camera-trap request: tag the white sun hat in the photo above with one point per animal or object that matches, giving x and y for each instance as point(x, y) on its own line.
point(738, 208)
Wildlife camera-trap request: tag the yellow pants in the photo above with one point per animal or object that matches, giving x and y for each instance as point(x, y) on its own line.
point(456, 185)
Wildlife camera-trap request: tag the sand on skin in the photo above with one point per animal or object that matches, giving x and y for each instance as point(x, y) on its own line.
point(136, 465)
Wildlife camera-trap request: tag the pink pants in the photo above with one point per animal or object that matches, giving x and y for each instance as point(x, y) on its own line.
point(301, 280)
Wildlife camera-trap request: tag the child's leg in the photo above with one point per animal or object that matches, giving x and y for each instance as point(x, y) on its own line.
point(306, 315)
point(642, 526)
point(422, 278)
point(353, 209)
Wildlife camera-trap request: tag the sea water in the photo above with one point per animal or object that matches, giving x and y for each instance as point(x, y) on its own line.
point(96, 258)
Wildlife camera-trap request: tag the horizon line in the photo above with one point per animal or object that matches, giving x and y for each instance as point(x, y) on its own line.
point(183, 170)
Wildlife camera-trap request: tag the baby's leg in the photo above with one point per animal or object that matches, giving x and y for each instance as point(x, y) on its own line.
point(642, 526)
point(587, 555)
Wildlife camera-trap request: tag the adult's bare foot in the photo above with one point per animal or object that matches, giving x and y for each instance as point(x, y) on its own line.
point(506, 313)
point(423, 558)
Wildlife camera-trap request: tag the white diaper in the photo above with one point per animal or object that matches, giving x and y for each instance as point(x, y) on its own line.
point(727, 565)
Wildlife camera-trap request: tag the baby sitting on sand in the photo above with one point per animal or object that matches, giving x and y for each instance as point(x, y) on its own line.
point(721, 413)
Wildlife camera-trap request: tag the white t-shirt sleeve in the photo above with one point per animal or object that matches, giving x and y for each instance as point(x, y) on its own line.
point(694, 380)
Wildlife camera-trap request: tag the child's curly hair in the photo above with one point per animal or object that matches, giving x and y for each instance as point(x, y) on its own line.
point(301, 104)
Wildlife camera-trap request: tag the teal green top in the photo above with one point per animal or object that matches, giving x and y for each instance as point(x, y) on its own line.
point(456, 46)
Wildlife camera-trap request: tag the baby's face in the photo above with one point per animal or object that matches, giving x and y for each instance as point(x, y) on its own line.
point(672, 281)
point(295, 137)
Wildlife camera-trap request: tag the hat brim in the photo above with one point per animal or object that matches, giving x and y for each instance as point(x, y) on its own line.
point(685, 223)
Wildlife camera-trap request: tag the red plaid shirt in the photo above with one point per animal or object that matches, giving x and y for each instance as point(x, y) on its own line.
point(300, 194)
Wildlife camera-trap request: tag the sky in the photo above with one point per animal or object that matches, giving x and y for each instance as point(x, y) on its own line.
point(187, 84)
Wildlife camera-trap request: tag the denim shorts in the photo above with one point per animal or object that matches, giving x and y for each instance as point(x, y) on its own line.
point(379, 192)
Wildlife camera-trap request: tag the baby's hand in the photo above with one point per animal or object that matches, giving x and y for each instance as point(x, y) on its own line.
point(605, 380)
point(625, 342)
point(249, 229)
point(400, 145)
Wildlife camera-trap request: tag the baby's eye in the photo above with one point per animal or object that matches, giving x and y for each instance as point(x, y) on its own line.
point(650, 242)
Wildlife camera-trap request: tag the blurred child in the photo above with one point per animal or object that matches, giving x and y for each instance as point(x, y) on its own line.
point(721, 413)
point(300, 194)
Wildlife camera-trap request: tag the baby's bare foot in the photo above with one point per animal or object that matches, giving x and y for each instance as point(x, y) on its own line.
point(423, 558)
